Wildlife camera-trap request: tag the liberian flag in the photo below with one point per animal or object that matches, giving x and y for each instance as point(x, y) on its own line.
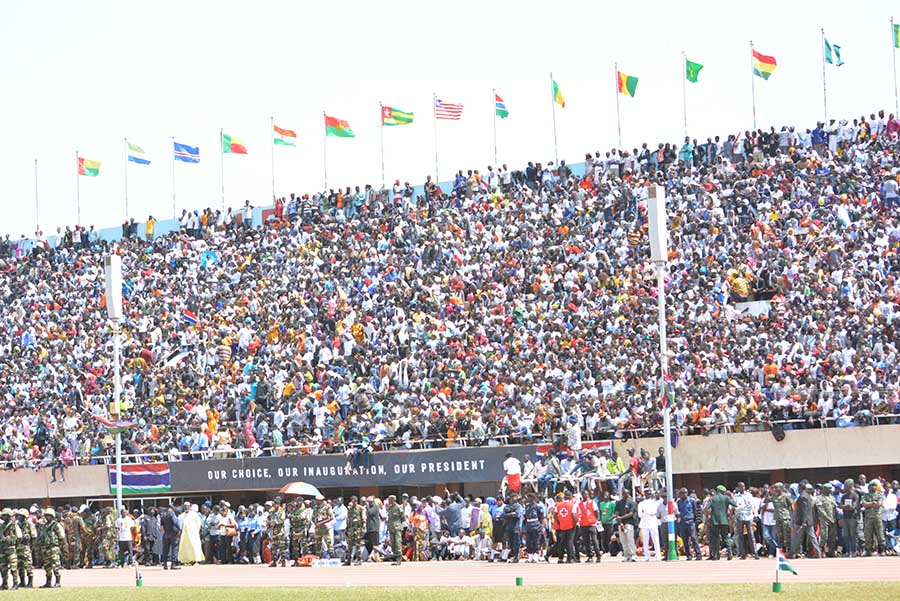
point(142, 478)
point(190, 317)
point(783, 564)
point(115, 427)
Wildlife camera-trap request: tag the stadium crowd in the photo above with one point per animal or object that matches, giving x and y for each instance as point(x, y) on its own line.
point(566, 523)
point(512, 306)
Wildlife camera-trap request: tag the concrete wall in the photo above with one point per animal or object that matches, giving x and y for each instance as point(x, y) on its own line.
point(26, 484)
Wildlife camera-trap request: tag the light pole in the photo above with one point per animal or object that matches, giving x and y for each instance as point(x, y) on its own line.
point(113, 271)
point(656, 213)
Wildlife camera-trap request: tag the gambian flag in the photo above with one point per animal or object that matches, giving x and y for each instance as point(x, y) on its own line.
point(142, 478)
point(626, 83)
point(115, 427)
point(783, 564)
point(190, 317)
point(500, 107)
point(233, 145)
point(338, 127)
point(285, 137)
point(88, 167)
point(392, 116)
point(763, 65)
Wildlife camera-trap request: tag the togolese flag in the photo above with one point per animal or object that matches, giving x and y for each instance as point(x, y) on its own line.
point(285, 137)
point(233, 145)
point(627, 84)
point(88, 167)
point(338, 127)
point(692, 70)
point(392, 116)
point(557, 95)
point(763, 65)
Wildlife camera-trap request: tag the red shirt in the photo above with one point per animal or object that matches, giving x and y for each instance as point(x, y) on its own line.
point(587, 515)
point(565, 515)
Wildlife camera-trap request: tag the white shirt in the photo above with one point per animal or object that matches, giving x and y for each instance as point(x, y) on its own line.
point(889, 507)
point(123, 527)
point(512, 466)
point(647, 513)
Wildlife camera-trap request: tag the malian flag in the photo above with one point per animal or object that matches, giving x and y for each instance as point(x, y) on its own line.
point(142, 478)
point(115, 427)
point(190, 317)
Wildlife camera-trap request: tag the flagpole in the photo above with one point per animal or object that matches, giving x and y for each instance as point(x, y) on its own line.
point(37, 214)
point(126, 179)
point(381, 131)
point(824, 88)
point(618, 114)
point(553, 107)
point(684, 89)
point(77, 190)
point(752, 85)
point(894, 63)
point(494, 99)
point(222, 165)
point(325, 150)
point(174, 206)
point(437, 177)
point(272, 143)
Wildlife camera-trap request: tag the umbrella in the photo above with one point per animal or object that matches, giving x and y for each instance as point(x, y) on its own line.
point(300, 488)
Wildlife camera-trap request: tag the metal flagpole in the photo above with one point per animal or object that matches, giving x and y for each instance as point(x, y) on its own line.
point(37, 214)
point(271, 135)
point(222, 165)
point(77, 190)
point(174, 206)
point(553, 106)
point(126, 179)
point(325, 149)
point(753, 85)
point(618, 115)
point(684, 89)
point(494, 99)
point(381, 131)
point(894, 63)
point(437, 171)
point(117, 388)
point(824, 88)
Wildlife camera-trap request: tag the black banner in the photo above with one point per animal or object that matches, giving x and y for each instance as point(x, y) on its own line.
point(412, 468)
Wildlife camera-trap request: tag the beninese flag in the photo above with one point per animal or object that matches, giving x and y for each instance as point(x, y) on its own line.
point(338, 127)
point(233, 145)
point(783, 564)
point(88, 167)
point(285, 137)
point(626, 83)
point(763, 66)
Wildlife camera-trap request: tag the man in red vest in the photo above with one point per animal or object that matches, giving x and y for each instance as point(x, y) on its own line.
point(586, 513)
point(565, 528)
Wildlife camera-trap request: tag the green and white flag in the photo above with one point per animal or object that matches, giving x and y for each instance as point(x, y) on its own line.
point(833, 54)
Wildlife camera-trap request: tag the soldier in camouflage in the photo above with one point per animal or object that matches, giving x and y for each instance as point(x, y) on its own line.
point(297, 514)
point(323, 518)
point(781, 503)
point(89, 540)
point(873, 527)
point(396, 519)
point(356, 532)
point(275, 532)
point(826, 516)
point(106, 532)
point(75, 534)
point(10, 535)
point(23, 550)
point(51, 537)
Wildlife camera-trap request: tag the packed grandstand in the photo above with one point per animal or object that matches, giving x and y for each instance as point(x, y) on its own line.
point(506, 306)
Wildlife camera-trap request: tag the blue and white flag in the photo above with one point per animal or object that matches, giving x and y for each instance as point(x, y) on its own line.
point(136, 154)
point(187, 154)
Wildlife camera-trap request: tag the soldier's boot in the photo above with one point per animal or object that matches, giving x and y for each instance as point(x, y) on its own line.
point(15, 582)
point(58, 584)
point(47, 584)
point(4, 586)
point(30, 581)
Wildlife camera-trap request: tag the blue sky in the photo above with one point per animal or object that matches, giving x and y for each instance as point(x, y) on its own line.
point(85, 75)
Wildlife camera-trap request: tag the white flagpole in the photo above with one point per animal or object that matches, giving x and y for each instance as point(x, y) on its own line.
point(37, 213)
point(618, 114)
point(684, 89)
point(437, 171)
point(381, 131)
point(77, 191)
point(222, 165)
point(174, 206)
point(325, 150)
point(553, 107)
point(894, 63)
point(824, 87)
point(753, 85)
point(126, 179)
point(494, 100)
point(272, 144)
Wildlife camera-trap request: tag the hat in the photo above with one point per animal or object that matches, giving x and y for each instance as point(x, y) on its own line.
point(827, 486)
point(50, 511)
point(809, 486)
point(320, 498)
point(83, 508)
point(7, 512)
point(721, 488)
point(22, 512)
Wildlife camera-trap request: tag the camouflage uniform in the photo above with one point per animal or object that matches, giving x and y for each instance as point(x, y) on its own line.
point(782, 505)
point(826, 515)
point(356, 531)
point(873, 527)
point(50, 539)
point(23, 549)
point(10, 535)
point(89, 540)
point(275, 529)
point(75, 533)
point(396, 519)
point(299, 529)
point(323, 518)
point(107, 536)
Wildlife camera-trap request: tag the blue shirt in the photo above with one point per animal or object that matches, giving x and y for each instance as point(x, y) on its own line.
point(687, 508)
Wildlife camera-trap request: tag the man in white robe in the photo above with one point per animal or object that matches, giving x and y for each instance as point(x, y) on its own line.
point(190, 550)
